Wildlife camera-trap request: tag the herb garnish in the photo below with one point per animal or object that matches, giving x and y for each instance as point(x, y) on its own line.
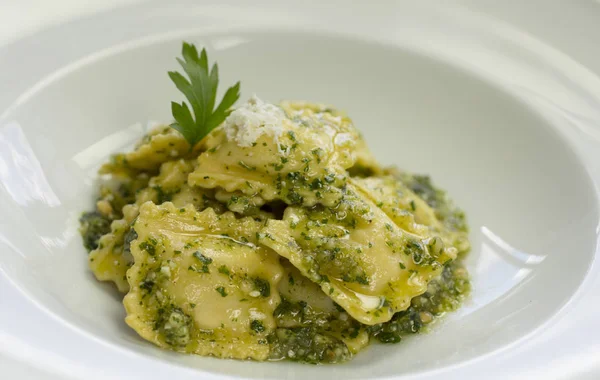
point(201, 93)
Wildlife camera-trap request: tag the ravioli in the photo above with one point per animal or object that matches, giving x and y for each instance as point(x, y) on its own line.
point(411, 212)
point(298, 157)
point(170, 185)
point(159, 145)
point(110, 261)
point(366, 263)
point(200, 285)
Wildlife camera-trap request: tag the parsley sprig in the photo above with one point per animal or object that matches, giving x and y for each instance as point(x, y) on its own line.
point(201, 92)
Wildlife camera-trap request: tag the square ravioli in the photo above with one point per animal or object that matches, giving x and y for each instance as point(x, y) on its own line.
point(298, 155)
point(199, 283)
point(366, 263)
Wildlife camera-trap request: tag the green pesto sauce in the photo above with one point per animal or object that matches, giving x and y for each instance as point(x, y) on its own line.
point(310, 340)
point(311, 336)
point(174, 325)
point(293, 187)
point(93, 226)
point(307, 345)
point(444, 294)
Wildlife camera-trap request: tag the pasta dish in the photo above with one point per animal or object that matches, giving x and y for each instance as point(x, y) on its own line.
point(271, 232)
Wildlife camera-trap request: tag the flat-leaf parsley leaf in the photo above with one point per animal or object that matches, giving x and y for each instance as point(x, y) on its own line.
point(201, 92)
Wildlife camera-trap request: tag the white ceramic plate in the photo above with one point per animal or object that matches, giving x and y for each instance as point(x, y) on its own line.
point(505, 122)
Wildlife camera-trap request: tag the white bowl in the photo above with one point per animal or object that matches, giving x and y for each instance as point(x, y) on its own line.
point(447, 96)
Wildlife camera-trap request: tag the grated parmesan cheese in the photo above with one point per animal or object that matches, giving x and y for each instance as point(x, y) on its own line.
point(252, 120)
